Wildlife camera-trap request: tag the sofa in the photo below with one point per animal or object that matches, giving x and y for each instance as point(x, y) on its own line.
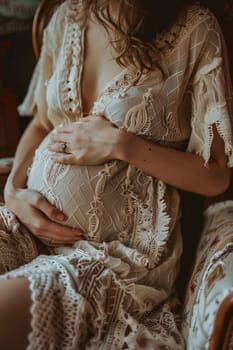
point(206, 278)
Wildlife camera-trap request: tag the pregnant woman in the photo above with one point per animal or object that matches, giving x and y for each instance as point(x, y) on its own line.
point(131, 103)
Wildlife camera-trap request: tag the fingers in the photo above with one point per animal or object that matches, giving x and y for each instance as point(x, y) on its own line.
point(40, 218)
point(65, 129)
point(69, 128)
point(49, 231)
point(39, 202)
point(58, 147)
point(60, 234)
point(59, 143)
point(59, 138)
point(64, 158)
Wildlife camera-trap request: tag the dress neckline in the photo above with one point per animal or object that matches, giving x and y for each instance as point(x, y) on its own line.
point(111, 84)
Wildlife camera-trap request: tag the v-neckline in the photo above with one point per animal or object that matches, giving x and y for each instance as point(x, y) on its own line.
point(80, 78)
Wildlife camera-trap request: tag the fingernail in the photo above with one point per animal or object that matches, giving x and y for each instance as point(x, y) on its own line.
point(60, 217)
point(77, 230)
point(78, 234)
point(79, 238)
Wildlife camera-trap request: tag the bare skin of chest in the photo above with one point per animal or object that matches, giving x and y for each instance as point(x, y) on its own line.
point(99, 64)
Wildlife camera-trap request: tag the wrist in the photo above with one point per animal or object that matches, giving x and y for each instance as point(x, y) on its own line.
point(124, 144)
point(9, 189)
point(13, 184)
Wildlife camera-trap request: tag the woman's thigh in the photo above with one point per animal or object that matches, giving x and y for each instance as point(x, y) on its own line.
point(15, 302)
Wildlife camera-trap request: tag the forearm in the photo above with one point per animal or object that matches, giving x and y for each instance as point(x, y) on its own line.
point(183, 170)
point(31, 138)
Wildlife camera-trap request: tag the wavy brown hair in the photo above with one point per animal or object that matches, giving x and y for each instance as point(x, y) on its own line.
point(137, 25)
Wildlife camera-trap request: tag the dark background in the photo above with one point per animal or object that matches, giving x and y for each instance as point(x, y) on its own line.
point(17, 62)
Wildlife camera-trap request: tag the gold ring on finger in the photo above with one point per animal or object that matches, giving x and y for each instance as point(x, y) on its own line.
point(63, 147)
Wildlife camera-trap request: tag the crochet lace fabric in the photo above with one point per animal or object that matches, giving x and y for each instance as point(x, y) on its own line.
point(16, 245)
point(114, 289)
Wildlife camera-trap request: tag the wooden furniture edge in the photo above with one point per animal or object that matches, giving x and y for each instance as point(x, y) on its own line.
point(223, 325)
point(41, 19)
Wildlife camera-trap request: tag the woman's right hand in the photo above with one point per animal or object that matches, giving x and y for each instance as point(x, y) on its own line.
point(39, 216)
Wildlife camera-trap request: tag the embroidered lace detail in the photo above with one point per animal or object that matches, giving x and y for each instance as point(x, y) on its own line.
point(111, 295)
point(145, 216)
point(167, 41)
point(51, 286)
point(146, 226)
point(172, 128)
point(123, 82)
point(72, 61)
point(137, 119)
point(164, 328)
point(217, 207)
point(211, 112)
point(129, 206)
point(89, 303)
point(17, 246)
point(95, 213)
point(54, 172)
point(116, 89)
point(220, 125)
point(162, 219)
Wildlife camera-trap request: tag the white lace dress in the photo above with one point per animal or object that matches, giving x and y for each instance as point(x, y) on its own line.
point(114, 290)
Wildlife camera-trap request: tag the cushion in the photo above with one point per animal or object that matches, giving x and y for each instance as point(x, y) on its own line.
point(212, 278)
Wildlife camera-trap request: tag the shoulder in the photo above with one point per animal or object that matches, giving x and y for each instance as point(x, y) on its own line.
point(56, 22)
point(194, 26)
point(67, 17)
point(70, 11)
point(195, 15)
point(201, 21)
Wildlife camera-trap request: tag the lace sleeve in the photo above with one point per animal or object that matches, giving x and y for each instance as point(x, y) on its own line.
point(211, 95)
point(35, 99)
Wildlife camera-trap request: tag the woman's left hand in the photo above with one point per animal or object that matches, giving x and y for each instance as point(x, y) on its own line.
point(90, 141)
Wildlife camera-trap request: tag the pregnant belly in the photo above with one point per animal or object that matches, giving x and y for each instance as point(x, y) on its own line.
point(89, 196)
